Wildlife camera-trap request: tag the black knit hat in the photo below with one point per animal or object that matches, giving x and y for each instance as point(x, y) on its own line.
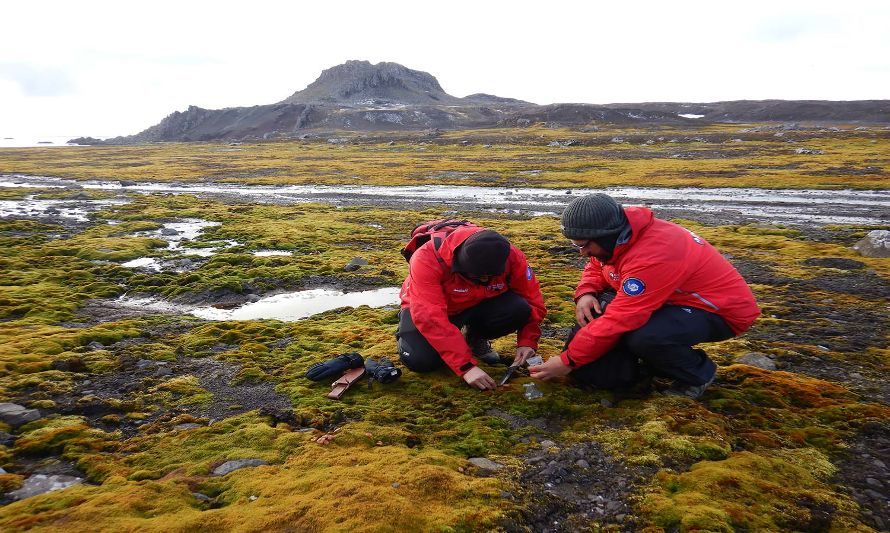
point(592, 217)
point(484, 253)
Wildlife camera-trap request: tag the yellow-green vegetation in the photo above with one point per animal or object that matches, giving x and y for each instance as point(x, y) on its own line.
point(757, 453)
point(728, 155)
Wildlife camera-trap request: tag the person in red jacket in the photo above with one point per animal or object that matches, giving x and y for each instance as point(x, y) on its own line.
point(671, 288)
point(476, 281)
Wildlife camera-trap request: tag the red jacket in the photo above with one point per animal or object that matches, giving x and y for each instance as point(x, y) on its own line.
point(434, 292)
point(661, 264)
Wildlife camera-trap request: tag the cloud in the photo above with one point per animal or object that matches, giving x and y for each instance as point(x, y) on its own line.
point(795, 26)
point(38, 81)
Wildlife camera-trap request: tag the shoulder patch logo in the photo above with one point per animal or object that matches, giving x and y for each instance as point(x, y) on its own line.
point(528, 273)
point(633, 286)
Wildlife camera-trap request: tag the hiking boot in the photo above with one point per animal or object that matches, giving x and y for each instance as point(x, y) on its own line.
point(483, 351)
point(690, 391)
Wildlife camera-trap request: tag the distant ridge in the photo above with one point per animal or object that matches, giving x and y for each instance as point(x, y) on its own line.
point(361, 96)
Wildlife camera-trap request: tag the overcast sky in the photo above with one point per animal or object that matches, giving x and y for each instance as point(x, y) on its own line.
point(115, 68)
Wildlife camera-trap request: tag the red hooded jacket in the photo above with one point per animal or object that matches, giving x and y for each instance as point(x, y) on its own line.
point(434, 292)
point(661, 264)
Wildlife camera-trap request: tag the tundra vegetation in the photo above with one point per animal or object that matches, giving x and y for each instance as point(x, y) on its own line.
point(145, 406)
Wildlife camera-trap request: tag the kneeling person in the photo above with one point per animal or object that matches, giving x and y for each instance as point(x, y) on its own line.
point(474, 281)
point(674, 290)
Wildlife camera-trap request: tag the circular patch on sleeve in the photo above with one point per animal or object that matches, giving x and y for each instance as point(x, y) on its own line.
point(633, 286)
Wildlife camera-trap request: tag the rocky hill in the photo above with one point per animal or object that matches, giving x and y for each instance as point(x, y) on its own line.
point(360, 96)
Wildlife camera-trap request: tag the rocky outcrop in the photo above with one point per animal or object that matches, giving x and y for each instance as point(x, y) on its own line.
point(360, 83)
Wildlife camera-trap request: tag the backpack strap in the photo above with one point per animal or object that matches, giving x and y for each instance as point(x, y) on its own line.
point(437, 239)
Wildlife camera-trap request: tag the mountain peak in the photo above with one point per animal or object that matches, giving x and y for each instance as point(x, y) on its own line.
point(362, 83)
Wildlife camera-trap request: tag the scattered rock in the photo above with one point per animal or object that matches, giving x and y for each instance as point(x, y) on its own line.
point(96, 345)
point(758, 360)
point(127, 183)
point(74, 364)
point(188, 425)
point(835, 262)
point(808, 151)
point(169, 232)
point(875, 244)
point(396, 485)
point(355, 264)
point(485, 466)
point(6, 440)
point(201, 497)
point(16, 415)
point(231, 466)
point(42, 483)
point(547, 444)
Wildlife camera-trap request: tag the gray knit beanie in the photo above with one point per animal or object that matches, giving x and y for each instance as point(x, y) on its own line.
point(592, 217)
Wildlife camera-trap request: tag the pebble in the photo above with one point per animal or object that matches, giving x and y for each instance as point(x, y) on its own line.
point(875, 494)
point(396, 485)
point(42, 483)
point(201, 497)
point(16, 415)
point(506, 495)
point(874, 482)
point(253, 497)
point(856, 375)
point(485, 464)
point(582, 463)
point(879, 464)
point(607, 403)
point(547, 444)
point(231, 466)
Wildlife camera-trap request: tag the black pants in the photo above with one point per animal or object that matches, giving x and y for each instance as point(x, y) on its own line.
point(663, 347)
point(490, 319)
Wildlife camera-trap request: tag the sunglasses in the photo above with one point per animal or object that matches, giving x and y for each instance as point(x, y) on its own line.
point(580, 246)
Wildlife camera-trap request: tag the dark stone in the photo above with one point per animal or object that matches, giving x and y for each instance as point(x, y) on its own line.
point(231, 466)
point(834, 262)
point(16, 415)
point(355, 264)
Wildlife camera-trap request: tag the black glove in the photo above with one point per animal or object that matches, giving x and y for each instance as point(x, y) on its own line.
point(334, 368)
point(383, 371)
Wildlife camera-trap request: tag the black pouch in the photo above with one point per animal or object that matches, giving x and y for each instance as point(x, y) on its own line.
point(382, 371)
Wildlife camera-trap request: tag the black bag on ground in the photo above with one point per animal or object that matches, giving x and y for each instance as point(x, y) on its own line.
point(382, 371)
point(334, 368)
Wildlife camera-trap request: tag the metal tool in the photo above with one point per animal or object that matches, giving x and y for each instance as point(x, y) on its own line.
point(508, 374)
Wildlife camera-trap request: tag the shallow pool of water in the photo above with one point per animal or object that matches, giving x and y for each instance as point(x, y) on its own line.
point(288, 307)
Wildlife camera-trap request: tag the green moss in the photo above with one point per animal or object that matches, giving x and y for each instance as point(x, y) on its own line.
point(426, 425)
point(751, 492)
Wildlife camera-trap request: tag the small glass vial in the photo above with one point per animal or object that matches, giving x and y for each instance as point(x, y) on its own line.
point(532, 392)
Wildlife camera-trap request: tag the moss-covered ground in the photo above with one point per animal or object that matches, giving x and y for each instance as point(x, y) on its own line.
point(761, 451)
point(738, 155)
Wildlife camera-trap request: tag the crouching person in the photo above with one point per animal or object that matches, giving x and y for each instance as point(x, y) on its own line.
point(463, 289)
point(673, 290)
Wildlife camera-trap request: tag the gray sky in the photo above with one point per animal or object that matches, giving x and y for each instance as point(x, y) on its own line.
point(115, 68)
